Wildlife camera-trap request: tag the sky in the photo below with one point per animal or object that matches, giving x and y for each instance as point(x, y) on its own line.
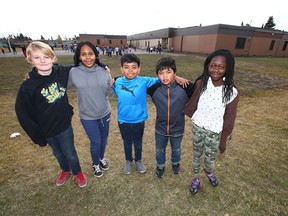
point(68, 18)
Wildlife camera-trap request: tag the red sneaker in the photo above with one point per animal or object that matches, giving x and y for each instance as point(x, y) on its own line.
point(62, 178)
point(81, 180)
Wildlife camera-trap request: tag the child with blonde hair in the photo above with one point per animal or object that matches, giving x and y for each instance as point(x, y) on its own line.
point(44, 112)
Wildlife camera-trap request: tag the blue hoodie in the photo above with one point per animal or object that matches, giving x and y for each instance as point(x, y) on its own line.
point(132, 104)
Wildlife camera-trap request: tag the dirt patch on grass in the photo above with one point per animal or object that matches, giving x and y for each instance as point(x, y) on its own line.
point(247, 80)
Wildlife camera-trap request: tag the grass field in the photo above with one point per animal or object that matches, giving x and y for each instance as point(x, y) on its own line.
point(252, 173)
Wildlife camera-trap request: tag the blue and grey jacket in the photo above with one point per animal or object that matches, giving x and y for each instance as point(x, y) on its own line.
point(170, 102)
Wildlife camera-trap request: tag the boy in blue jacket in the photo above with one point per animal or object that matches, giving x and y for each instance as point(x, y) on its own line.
point(132, 109)
point(170, 99)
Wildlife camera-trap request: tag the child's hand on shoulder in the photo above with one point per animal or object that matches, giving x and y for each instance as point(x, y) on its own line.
point(112, 81)
point(182, 81)
point(107, 69)
point(26, 76)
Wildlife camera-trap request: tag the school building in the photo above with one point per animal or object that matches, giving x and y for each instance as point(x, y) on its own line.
point(101, 40)
point(241, 40)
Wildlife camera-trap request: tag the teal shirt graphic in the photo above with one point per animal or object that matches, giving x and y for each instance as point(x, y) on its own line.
point(53, 93)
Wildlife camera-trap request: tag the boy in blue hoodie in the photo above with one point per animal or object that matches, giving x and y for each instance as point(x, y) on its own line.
point(132, 109)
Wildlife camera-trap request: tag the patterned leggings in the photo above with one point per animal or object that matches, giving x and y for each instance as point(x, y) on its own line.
point(204, 141)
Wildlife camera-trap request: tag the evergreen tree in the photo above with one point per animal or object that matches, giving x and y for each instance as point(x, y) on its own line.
point(21, 36)
point(270, 23)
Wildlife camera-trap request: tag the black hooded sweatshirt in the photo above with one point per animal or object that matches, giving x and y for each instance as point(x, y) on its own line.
point(42, 105)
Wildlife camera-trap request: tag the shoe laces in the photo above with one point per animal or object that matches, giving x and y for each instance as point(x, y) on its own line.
point(80, 176)
point(103, 161)
point(195, 183)
point(139, 164)
point(128, 164)
point(212, 176)
point(96, 168)
point(176, 165)
point(63, 174)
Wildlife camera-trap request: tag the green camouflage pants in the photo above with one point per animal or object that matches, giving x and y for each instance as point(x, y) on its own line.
point(204, 141)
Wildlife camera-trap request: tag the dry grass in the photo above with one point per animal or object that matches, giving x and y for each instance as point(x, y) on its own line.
point(252, 173)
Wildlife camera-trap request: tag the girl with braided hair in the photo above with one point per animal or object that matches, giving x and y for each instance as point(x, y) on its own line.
point(212, 108)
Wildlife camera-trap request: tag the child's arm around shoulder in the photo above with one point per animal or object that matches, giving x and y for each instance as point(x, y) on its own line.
point(153, 88)
point(182, 81)
point(192, 104)
point(66, 68)
point(189, 89)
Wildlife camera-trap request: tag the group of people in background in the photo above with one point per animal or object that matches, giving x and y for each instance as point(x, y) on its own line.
point(157, 49)
point(14, 49)
point(44, 112)
point(104, 50)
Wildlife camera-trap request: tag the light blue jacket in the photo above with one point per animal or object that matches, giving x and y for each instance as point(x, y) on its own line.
point(132, 104)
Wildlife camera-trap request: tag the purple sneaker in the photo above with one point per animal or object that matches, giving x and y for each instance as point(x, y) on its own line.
point(195, 186)
point(212, 178)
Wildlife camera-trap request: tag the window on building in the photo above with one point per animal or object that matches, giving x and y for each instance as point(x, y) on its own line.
point(272, 45)
point(110, 41)
point(240, 44)
point(285, 46)
point(98, 41)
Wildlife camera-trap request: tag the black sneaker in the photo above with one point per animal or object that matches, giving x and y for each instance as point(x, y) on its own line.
point(212, 178)
point(97, 171)
point(195, 186)
point(104, 164)
point(176, 168)
point(160, 172)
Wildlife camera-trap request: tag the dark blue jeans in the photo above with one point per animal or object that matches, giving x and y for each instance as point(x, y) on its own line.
point(64, 150)
point(132, 134)
point(161, 144)
point(97, 132)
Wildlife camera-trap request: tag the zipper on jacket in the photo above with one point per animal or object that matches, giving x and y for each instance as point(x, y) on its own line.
point(168, 111)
